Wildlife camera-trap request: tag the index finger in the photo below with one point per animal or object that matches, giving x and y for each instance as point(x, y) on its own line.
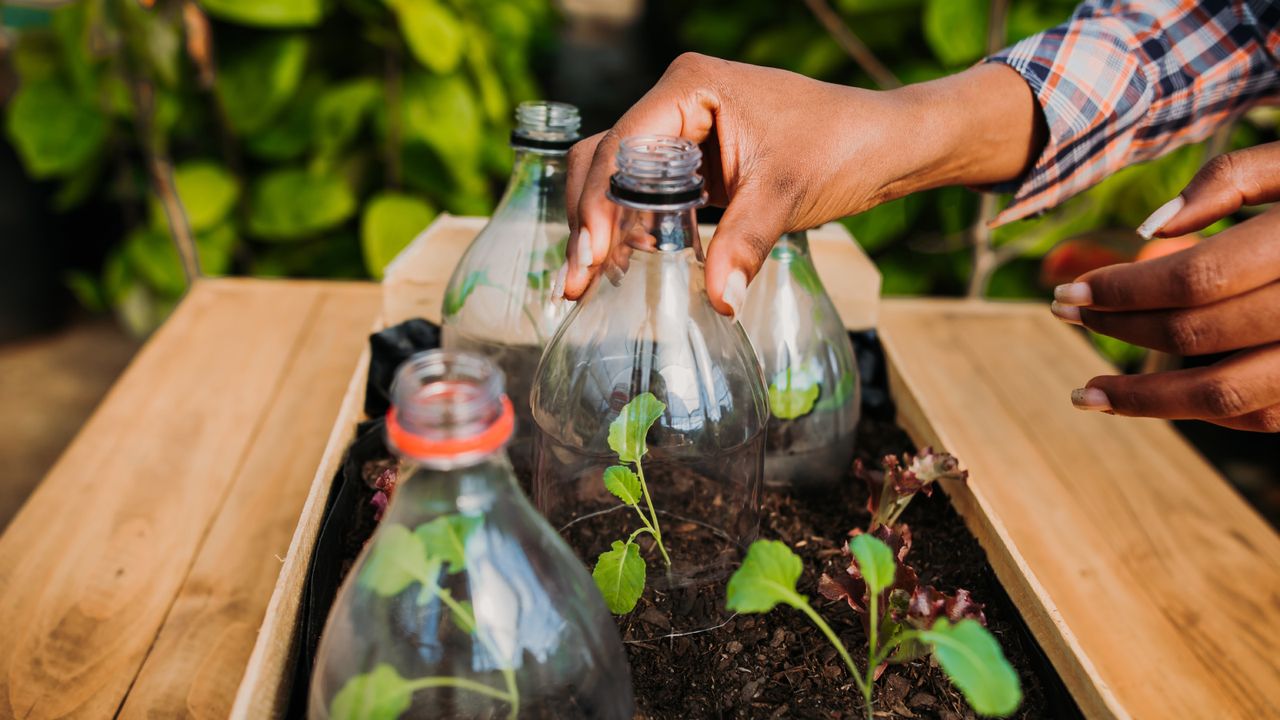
point(1237, 260)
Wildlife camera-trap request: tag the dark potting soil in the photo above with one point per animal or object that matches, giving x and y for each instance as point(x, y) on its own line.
point(754, 666)
point(780, 665)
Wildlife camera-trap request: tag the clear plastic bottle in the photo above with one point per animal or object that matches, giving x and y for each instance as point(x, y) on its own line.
point(499, 302)
point(809, 366)
point(650, 409)
point(465, 603)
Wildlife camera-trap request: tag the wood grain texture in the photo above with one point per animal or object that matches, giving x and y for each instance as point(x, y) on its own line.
point(416, 280)
point(1152, 586)
point(125, 536)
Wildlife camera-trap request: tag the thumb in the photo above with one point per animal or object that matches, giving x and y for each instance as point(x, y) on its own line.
point(1223, 186)
point(752, 223)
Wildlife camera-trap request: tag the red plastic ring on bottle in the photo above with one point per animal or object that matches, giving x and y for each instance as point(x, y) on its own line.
point(486, 441)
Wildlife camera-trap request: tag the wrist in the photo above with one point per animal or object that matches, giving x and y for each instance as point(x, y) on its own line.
point(977, 127)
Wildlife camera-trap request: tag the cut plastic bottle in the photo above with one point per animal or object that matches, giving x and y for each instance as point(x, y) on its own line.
point(499, 301)
point(808, 360)
point(465, 603)
point(650, 409)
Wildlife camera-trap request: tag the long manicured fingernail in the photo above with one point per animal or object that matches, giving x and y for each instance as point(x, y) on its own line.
point(557, 285)
point(1076, 293)
point(1160, 217)
point(1065, 313)
point(585, 258)
point(1090, 399)
point(735, 290)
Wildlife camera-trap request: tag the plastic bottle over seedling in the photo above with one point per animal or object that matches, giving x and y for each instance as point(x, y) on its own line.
point(650, 409)
point(499, 301)
point(465, 603)
point(809, 366)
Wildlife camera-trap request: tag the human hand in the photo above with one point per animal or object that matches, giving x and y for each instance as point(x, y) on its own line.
point(1222, 294)
point(784, 152)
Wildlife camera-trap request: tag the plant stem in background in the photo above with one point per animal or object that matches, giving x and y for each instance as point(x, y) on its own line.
point(985, 260)
point(853, 45)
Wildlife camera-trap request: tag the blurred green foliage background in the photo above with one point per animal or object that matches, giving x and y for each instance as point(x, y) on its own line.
point(302, 137)
point(314, 137)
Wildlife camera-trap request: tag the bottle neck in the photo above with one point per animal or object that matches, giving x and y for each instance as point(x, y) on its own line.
point(657, 229)
point(536, 174)
point(791, 246)
point(424, 493)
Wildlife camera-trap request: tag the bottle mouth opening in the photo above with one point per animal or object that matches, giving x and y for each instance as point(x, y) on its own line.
point(657, 171)
point(546, 126)
point(448, 407)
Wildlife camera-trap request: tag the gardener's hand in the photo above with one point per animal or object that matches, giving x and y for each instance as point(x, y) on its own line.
point(1222, 294)
point(784, 152)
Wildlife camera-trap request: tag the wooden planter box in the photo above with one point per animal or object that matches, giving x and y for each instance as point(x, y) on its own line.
point(1152, 587)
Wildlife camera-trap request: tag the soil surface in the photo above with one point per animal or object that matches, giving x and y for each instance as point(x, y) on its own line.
point(779, 665)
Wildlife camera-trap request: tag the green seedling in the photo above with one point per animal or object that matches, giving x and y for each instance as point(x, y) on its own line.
point(620, 571)
point(400, 559)
point(967, 653)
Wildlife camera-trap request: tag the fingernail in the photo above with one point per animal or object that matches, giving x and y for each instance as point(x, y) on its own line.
point(1076, 293)
point(585, 258)
point(1065, 313)
point(735, 290)
point(557, 285)
point(1090, 399)
point(1160, 217)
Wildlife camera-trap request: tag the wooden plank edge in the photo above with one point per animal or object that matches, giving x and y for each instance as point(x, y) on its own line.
point(1091, 692)
point(264, 688)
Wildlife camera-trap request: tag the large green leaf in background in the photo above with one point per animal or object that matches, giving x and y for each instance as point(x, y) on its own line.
point(442, 112)
point(293, 203)
point(390, 221)
point(53, 131)
point(434, 33)
point(208, 193)
point(956, 29)
point(255, 82)
point(267, 13)
point(339, 112)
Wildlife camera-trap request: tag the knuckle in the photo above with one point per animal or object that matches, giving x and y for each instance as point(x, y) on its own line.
point(1269, 420)
point(687, 61)
point(1197, 279)
point(1221, 397)
point(1220, 167)
point(1185, 333)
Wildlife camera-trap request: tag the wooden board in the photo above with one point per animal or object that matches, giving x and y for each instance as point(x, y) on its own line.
point(1153, 587)
point(416, 280)
point(135, 576)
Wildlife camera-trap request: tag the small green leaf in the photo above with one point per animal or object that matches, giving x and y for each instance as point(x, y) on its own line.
point(973, 660)
point(390, 221)
point(339, 112)
point(267, 13)
point(256, 82)
point(845, 389)
point(456, 296)
point(151, 253)
point(540, 280)
point(291, 203)
point(380, 694)
point(956, 29)
point(792, 394)
point(875, 561)
point(620, 575)
point(768, 576)
point(627, 432)
point(397, 561)
point(53, 131)
point(624, 483)
point(433, 32)
point(445, 538)
point(208, 193)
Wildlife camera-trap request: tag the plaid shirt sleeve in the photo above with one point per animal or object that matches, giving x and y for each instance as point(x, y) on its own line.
point(1122, 82)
